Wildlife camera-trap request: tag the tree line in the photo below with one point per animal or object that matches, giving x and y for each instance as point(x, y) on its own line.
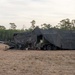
point(7, 34)
point(65, 24)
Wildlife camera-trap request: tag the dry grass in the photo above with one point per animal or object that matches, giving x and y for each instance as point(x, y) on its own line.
point(17, 62)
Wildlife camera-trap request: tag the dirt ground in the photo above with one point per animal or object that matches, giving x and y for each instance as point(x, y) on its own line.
point(21, 62)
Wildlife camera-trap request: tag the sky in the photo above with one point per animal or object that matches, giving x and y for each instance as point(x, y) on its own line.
point(22, 12)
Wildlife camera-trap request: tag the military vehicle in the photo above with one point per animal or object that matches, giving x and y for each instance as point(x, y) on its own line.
point(44, 39)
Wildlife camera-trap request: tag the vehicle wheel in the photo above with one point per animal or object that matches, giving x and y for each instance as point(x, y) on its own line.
point(48, 47)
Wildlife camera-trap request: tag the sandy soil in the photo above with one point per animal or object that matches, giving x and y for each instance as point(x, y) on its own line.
point(17, 62)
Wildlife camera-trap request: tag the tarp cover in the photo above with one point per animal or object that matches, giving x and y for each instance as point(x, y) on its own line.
point(61, 38)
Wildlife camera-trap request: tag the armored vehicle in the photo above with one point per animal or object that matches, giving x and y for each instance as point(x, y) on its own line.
point(44, 39)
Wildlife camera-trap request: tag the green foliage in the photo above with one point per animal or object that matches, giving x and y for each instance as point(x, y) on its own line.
point(2, 27)
point(13, 26)
point(66, 24)
point(33, 24)
point(46, 26)
point(6, 35)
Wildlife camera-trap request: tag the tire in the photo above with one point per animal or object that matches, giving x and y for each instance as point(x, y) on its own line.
point(48, 47)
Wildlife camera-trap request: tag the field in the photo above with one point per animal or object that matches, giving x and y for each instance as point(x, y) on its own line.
point(21, 62)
